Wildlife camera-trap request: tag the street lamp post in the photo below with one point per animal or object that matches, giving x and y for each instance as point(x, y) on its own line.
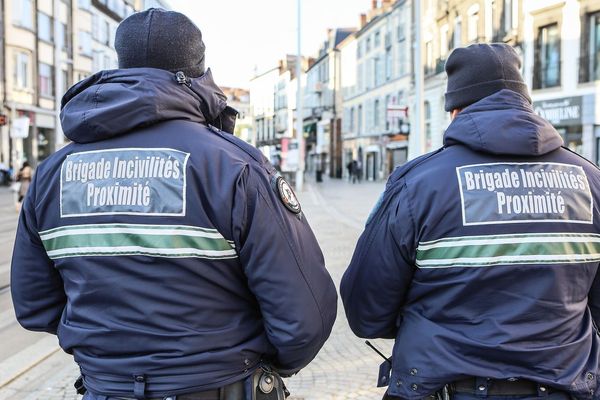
point(418, 68)
point(299, 106)
point(58, 77)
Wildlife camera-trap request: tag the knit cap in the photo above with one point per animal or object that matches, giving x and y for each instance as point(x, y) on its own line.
point(479, 70)
point(162, 39)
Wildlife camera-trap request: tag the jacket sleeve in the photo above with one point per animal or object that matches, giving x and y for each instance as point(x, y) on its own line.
point(285, 270)
point(594, 300)
point(36, 286)
point(376, 281)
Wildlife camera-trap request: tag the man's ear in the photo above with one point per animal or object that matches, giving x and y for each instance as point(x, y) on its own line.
point(455, 112)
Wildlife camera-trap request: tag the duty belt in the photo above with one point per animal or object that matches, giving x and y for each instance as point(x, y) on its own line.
point(232, 391)
point(499, 387)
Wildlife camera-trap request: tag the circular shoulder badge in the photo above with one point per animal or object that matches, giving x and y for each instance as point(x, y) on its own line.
point(288, 198)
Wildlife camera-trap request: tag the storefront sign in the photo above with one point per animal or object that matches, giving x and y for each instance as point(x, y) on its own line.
point(19, 128)
point(560, 112)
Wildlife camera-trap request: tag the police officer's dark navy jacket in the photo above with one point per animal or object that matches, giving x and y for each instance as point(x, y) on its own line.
point(481, 259)
point(158, 248)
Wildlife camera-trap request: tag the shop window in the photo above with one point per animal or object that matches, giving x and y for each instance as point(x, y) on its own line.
point(44, 27)
point(23, 13)
point(45, 80)
point(21, 70)
point(548, 57)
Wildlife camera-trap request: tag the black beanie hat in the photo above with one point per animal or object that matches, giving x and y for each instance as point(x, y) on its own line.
point(161, 39)
point(479, 70)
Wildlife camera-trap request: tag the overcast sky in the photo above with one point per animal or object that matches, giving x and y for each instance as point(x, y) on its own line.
point(241, 35)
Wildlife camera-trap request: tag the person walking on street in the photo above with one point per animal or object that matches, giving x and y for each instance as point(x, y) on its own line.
point(24, 178)
point(358, 170)
point(354, 169)
point(350, 171)
point(481, 258)
point(169, 256)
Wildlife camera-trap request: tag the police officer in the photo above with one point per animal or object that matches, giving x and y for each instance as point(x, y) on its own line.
point(481, 259)
point(166, 254)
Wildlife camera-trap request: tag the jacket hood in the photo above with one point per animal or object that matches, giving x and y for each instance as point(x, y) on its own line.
point(111, 103)
point(503, 123)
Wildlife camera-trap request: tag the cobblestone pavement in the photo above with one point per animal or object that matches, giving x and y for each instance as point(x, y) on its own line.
point(344, 369)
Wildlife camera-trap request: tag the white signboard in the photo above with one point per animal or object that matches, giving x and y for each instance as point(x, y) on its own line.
point(19, 129)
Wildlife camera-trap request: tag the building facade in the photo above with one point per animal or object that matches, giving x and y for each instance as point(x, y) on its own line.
point(375, 90)
point(47, 46)
point(562, 66)
point(447, 24)
point(273, 108)
point(367, 79)
point(239, 99)
point(322, 106)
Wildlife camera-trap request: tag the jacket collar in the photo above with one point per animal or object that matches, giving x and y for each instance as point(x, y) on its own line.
point(112, 103)
point(503, 123)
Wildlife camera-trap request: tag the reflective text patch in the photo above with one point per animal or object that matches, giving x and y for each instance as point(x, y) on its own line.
point(123, 181)
point(502, 193)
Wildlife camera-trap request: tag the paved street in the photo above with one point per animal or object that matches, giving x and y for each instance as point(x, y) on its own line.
point(345, 369)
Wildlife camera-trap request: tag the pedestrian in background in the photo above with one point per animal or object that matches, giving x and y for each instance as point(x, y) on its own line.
point(481, 258)
point(353, 170)
point(349, 168)
point(24, 180)
point(168, 255)
point(358, 170)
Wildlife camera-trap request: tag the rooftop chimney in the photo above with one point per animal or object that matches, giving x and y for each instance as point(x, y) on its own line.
point(373, 4)
point(363, 20)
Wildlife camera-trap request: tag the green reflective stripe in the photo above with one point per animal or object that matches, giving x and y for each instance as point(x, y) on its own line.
point(127, 239)
point(173, 241)
point(479, 251)
point(509, 249)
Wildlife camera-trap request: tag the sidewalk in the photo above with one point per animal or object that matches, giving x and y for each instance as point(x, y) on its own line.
point(344, 369)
